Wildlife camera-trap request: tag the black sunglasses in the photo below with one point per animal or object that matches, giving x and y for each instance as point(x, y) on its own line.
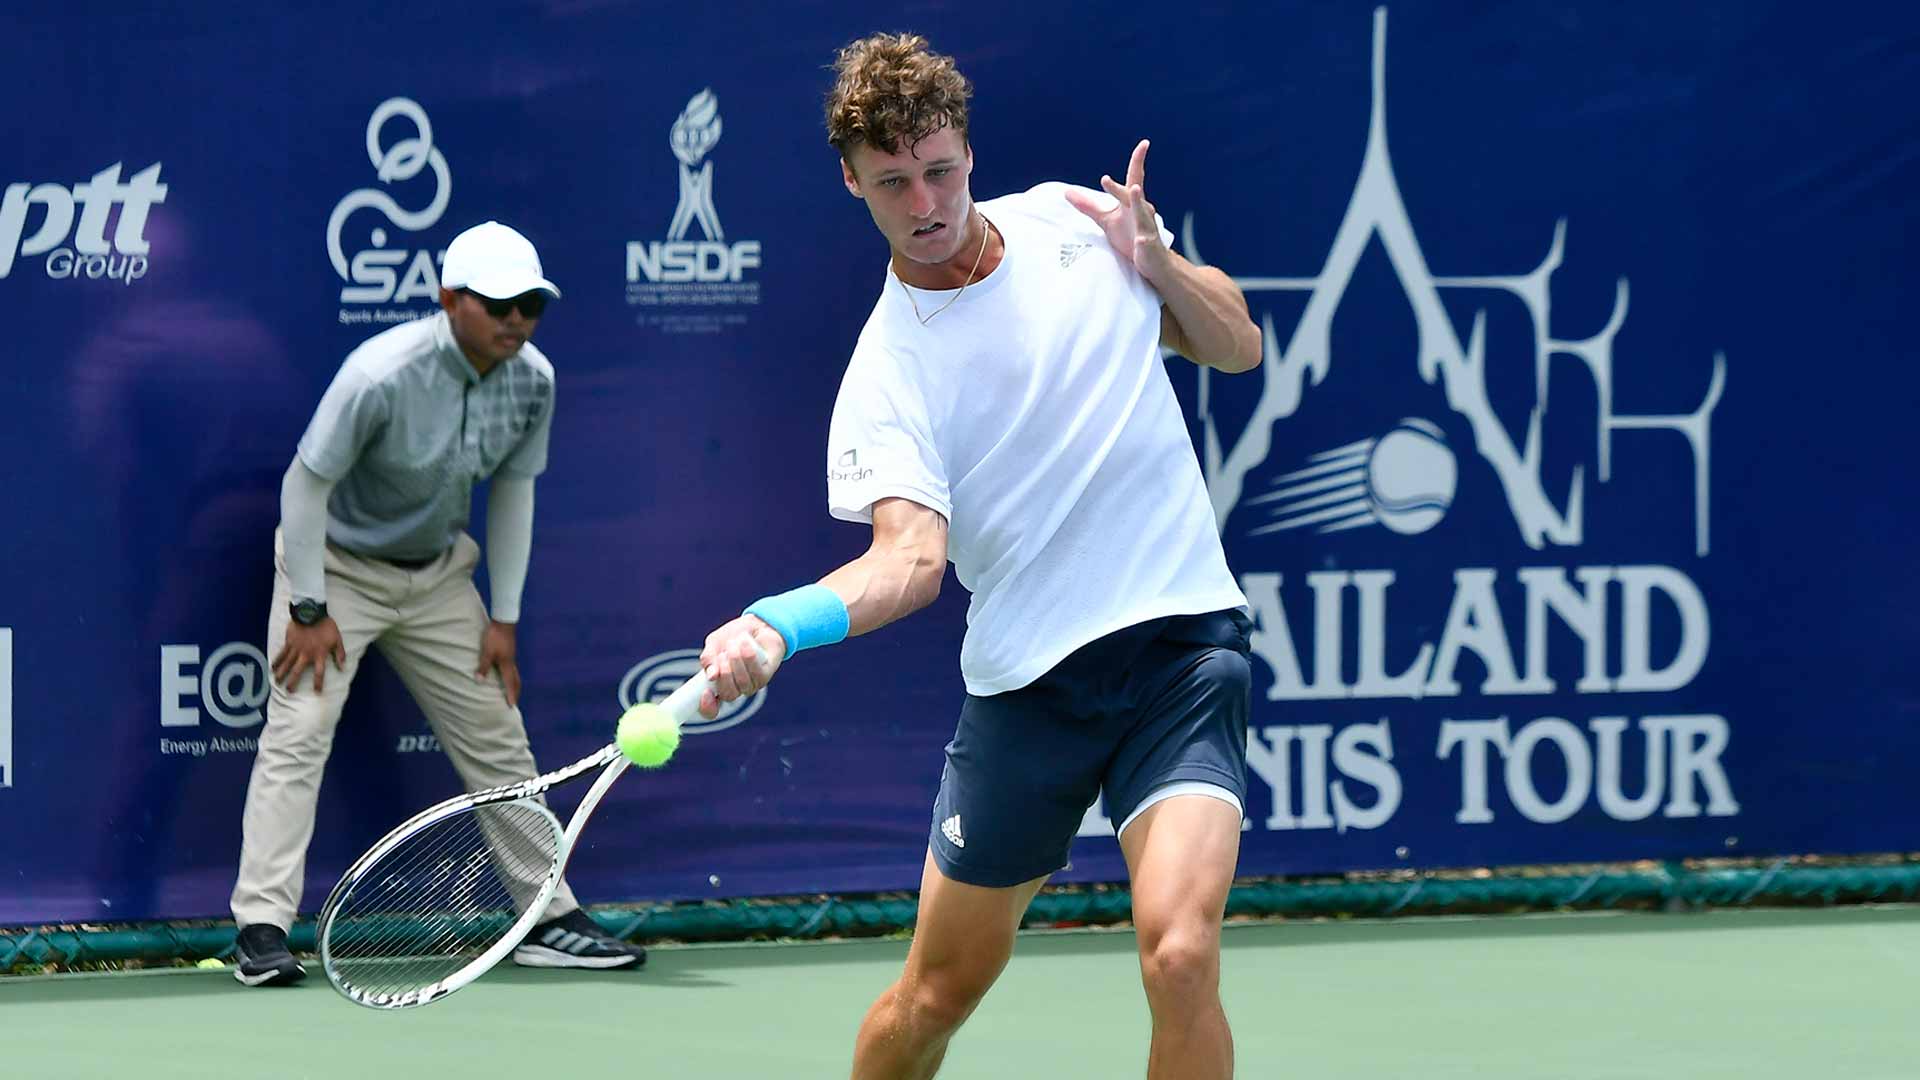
point(531, 304)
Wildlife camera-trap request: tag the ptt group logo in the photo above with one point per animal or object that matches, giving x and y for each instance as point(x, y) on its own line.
point(90, 256)
point(657, 676)
point(207, 702)
point(1334, 472)
point(383, 272)
point(682, 285)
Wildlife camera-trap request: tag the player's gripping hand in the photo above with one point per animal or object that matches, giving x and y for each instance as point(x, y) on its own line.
point(1129, 222)
point(310, 647)
point(730, 664)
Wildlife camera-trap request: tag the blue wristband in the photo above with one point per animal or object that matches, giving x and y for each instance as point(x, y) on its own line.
point(808, 616)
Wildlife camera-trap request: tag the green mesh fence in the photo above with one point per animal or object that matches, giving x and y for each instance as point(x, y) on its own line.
point(1668, 885)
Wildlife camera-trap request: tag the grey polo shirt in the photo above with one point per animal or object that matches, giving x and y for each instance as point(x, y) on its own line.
point(408, 427)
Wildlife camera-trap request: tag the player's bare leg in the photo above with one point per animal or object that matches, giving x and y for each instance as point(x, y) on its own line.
point(961, 942)
point(1181, 854)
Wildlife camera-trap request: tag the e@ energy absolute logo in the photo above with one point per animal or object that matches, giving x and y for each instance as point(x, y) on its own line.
point(229, 687)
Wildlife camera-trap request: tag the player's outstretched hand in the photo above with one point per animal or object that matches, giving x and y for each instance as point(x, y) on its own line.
point(1129, 221)
point(729, 661)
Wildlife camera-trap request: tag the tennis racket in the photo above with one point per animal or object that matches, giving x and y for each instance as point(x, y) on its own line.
point(449, 893)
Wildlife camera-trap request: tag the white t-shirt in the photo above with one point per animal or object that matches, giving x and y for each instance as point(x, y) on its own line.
point(1035, 414)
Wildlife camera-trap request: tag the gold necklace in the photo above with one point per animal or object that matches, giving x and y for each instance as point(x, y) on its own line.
point(986, 230)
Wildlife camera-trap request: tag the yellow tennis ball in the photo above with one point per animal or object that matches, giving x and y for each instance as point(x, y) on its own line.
point(648, 735)
point(211, 963)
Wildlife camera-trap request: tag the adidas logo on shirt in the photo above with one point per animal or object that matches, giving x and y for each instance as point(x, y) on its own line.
point(950, 829)
point(1070, 253)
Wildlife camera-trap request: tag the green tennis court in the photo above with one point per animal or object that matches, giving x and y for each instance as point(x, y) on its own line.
point(1754, 994)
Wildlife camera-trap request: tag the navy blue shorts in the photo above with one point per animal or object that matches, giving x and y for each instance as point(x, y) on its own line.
point(1156, 703)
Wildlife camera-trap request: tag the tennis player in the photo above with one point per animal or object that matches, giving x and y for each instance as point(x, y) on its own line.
point(1007, 407)
point(372, 550)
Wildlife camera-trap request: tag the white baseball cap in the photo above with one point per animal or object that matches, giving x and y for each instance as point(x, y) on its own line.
point(494, 261)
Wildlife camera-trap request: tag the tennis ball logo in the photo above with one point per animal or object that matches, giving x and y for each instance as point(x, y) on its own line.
point(657, 676)
point(1411, 475)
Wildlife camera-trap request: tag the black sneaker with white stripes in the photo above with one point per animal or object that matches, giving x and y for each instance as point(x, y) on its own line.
point(263, 957)
point(574, 940)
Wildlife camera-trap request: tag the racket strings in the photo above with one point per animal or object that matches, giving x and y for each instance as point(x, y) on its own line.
point(441, 897)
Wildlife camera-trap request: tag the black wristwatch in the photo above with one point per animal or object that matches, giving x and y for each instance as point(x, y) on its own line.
point(307, 612)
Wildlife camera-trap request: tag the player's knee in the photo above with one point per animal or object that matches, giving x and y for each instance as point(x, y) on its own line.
point(304, 734)
point(942, 1000)
point(492, 729)
point(1180, 964)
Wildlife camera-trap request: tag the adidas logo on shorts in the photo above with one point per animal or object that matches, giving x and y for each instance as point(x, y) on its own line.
point(950, 829)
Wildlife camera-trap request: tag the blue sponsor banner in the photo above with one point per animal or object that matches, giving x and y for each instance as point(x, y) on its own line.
point(1567, 498)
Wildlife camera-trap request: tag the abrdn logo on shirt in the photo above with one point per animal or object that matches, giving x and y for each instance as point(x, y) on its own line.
point(847, 468)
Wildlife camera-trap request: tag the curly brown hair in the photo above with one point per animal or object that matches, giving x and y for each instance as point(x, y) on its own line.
point(893, 87)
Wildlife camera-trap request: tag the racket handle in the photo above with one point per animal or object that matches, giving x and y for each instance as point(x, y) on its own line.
point(684, 703)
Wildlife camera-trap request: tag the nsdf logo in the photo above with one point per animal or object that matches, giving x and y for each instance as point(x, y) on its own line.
point(228, 687)
point(657, 676)
point(686, 285)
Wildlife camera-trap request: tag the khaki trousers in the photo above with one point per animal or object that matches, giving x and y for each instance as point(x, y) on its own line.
point(428, 624)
